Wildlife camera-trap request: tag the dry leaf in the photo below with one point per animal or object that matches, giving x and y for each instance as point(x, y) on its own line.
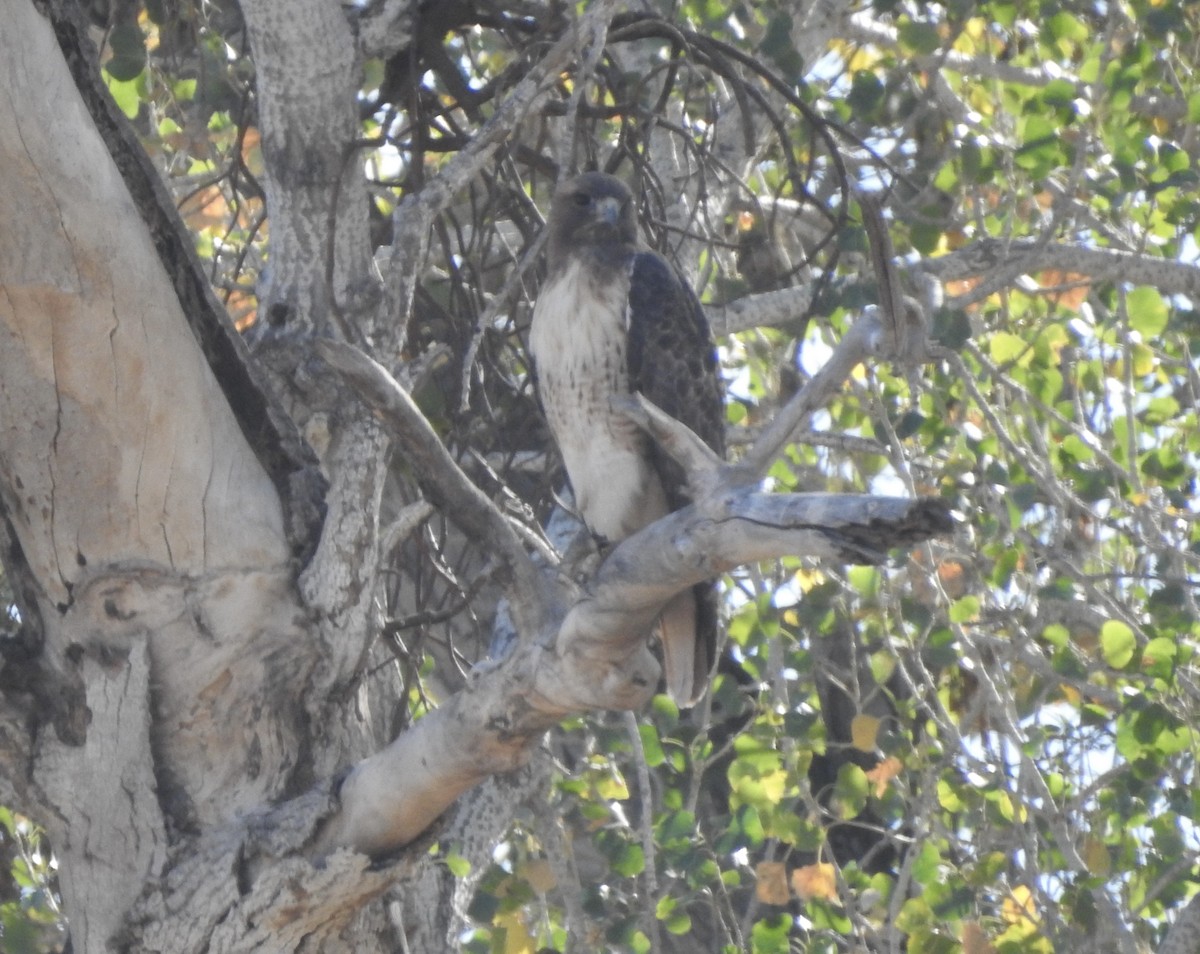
point(1071, 288)
point(771, 887)
point(539, 874)
point(815, 881)
point(974, 941)
point(883, 773)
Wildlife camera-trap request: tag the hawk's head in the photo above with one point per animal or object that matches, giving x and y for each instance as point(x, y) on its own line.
point(593, 209)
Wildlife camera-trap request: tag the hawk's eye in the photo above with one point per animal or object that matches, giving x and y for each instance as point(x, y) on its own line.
point(582, 199)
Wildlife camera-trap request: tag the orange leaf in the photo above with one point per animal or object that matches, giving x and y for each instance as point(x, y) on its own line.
point(974, 941)
point(1070, 288)
point(815, 881)
point(953, 578)
point(252, 150)
point(883, 773)
point(960, 286)
point(539, 874)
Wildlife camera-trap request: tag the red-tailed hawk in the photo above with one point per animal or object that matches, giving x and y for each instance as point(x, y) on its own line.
point(612, 319)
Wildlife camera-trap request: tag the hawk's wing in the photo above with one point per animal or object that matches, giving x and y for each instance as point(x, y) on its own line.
point(672, 362)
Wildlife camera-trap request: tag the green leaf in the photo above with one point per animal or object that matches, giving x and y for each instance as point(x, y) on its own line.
point(1059, 92)
point(128, 45)
point(866, 94)
point(630, 860)
point(651, 745)
point(865, 579)
point(126, 95)
point(921, 38)
point(1005, 347)
point(948, 798)
point(770, 935)
point(951, 327)
point(1158, 658)
point(1148, 312)
point(777, 44)
point(459, 866)
point(1117, 643)
point(851, 790)
point(965, 609)
point(1076, 449)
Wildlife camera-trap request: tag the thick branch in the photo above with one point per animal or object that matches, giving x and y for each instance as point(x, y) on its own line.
point(597, 657)
point(768, 309)
point(1099, 264)
point(321, 264)
point(772, 309)
point(248, 888)
point(1184, 936)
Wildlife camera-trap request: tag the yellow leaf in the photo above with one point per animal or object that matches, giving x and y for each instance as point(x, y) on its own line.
point(863, 731)
point(1096, 856)
point(883, 773)
point(808, 579)
point(815, 881)
point(1019, 907)
point(517, 939)
point(771, 885)
point(863, 58)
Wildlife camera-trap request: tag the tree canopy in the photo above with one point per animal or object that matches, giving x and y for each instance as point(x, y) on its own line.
point(987, 743)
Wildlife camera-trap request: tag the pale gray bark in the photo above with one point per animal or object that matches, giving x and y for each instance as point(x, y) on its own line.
point(153, 537)
point(321, 273)
point(1030, 256)
point(1184, 936)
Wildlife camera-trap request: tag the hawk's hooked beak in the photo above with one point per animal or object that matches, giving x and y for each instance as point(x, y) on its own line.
point(608, 210)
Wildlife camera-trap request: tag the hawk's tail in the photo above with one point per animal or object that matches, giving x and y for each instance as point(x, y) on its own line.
point(688, 630)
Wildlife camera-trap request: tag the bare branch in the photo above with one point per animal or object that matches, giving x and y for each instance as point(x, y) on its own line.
point(701, 464)
point(1100, 264)
point(762, 310)
point(442, 480)
point(417, 211)
point(863, 340)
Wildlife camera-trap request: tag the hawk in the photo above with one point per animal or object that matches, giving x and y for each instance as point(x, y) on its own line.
point(614, 318)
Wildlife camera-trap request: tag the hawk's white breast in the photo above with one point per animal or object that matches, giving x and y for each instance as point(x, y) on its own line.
point(578, 340)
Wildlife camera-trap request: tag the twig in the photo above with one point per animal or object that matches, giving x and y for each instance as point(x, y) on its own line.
point(646, 830)
point(863, 340)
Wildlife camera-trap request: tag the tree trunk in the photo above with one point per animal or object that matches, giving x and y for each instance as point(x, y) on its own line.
point(152, 540)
